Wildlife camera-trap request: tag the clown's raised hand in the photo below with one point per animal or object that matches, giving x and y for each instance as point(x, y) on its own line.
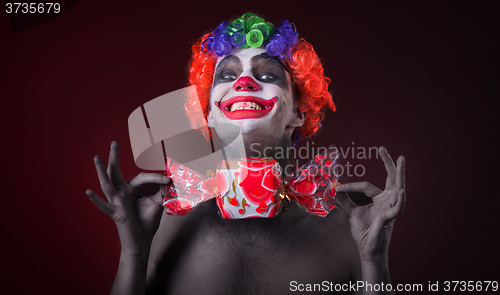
point(371, 225)
point(136, 216)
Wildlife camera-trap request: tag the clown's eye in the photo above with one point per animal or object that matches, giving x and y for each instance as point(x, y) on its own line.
point(267, 78)
point(229, 77)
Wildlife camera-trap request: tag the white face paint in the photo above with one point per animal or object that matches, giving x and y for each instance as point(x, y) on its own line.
point(252, 94)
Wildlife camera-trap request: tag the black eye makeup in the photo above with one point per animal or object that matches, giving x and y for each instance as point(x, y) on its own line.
point(269, 69)
point(265, 68)
point(228, 70)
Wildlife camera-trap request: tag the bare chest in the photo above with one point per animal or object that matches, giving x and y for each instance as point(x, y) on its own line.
point(210, 255)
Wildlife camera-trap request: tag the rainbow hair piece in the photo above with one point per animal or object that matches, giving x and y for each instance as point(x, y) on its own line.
point(250, 30)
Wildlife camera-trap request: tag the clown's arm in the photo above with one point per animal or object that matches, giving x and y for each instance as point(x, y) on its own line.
point(371, 225)
point(137, 218)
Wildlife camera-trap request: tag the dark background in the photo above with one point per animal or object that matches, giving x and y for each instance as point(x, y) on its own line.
point(420, 78)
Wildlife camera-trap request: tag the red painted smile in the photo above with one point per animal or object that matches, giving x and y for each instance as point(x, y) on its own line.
point(246, 107)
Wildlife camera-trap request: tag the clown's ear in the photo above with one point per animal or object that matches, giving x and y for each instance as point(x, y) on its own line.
point(299, 117)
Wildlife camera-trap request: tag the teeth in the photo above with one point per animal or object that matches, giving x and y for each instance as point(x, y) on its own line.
point(246, 105)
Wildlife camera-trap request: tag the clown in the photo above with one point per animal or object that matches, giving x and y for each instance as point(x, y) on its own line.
point(280, 75)
point(262, 84)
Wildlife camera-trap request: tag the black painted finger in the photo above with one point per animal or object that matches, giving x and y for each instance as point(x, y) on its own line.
point(400, 177)
point(389, 166)
point(106, 184)
point(104, 206)
point(144, 178)
point(114, 165)
point(398, 208)
point(359, 187)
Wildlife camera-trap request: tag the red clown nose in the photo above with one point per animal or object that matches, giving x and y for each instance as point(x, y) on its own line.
point(246, 83)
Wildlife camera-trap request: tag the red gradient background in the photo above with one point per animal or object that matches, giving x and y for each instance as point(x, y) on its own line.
point(420, 79)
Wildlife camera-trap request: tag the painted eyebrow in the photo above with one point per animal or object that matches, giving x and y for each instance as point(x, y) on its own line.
point(264, 56)
point(227, 59)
